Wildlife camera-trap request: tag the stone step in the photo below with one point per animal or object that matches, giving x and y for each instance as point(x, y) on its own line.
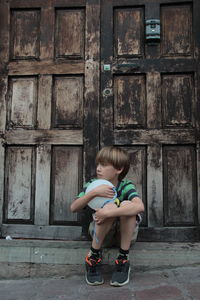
point(143, 255)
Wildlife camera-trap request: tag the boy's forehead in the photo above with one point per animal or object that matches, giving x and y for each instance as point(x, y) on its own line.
point(105, 161)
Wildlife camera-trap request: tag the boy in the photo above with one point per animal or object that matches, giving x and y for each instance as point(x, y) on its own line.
point(112, 164)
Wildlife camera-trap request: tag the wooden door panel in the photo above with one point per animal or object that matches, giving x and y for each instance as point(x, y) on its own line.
point(128, 31)
point(180, 187)
point(22, 102)
point(25, 34)
point(130, 102)
point(177, 39)
point(178, 100)
point(66, 173)
point(19, 184)
point(70, 26)
point(49, 74)
point(68, 102)
point(150, 93)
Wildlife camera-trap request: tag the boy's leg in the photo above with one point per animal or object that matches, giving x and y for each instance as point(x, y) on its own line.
point(127, 229)
point(94, 257)
point(120, 276)
point(101, 230)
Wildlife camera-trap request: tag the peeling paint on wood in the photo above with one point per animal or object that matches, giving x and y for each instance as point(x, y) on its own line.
point(2, 170)
point(25, 26)
point(130, 99)
point(153, 97)
point(70, 26)
point(45, 67)
point(44, 102)
point(70, 137)
point(42, 193)
point(177, 38)
point(155, 186)
point(23, 102)
point(68, 102)
point(20, 184)
point(178, 100)
point(3, 95)
point(65, 182)
point(137, 173)
point(128, 31)
point(180, 186)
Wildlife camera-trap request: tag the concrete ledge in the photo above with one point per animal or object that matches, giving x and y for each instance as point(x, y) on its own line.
point(28, 270)
point(142, 255)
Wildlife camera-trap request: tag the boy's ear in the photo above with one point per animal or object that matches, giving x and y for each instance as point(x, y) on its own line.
point(119, 171)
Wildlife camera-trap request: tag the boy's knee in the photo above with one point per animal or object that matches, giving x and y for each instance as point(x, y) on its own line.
point(125, 202)
point(110, 205)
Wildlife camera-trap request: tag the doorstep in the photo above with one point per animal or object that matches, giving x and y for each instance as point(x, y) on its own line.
point(142, 254)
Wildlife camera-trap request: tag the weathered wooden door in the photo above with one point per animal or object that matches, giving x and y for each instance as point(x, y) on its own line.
point(151, 106)
point(49, 110)
point(49, 126)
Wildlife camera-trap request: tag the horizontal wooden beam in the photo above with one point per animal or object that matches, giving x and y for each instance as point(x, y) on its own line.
point(154, 136)
point(163, 65)
point(43, 3)
point(20, 68)
point(141, 2)
point(34, 137)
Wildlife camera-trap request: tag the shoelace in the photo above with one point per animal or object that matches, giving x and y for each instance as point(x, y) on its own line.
point(120, 264)
point(92, 261)
point(93, 264)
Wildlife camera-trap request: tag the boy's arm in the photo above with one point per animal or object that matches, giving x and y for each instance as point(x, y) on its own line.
point(132, 207)
point(101, 191)
point(80, 203)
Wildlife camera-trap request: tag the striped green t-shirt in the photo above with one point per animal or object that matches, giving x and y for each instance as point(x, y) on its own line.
point(125, 190)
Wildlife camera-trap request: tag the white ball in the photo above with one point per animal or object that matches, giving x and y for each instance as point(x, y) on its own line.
point(98, 202)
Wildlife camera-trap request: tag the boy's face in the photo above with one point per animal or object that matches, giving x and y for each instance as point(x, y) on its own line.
point(108, 172)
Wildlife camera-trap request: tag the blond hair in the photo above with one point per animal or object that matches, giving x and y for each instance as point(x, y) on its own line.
point(115, 156)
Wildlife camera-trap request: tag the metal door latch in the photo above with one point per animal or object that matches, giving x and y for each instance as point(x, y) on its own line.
point(152, 30)
point(107, 92)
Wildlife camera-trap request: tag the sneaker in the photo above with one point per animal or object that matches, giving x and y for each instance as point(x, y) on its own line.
point(93, 271)
point(121, 274)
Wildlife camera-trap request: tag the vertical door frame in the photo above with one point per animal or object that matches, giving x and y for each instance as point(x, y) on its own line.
point(92, 90)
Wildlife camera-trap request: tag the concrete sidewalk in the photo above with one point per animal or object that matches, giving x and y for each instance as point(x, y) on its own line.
point(40, 270)
point(181, 283)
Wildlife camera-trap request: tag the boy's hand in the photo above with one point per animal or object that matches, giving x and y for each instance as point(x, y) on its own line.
point(105, 191)
point(100, 215)
point(103, 213)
